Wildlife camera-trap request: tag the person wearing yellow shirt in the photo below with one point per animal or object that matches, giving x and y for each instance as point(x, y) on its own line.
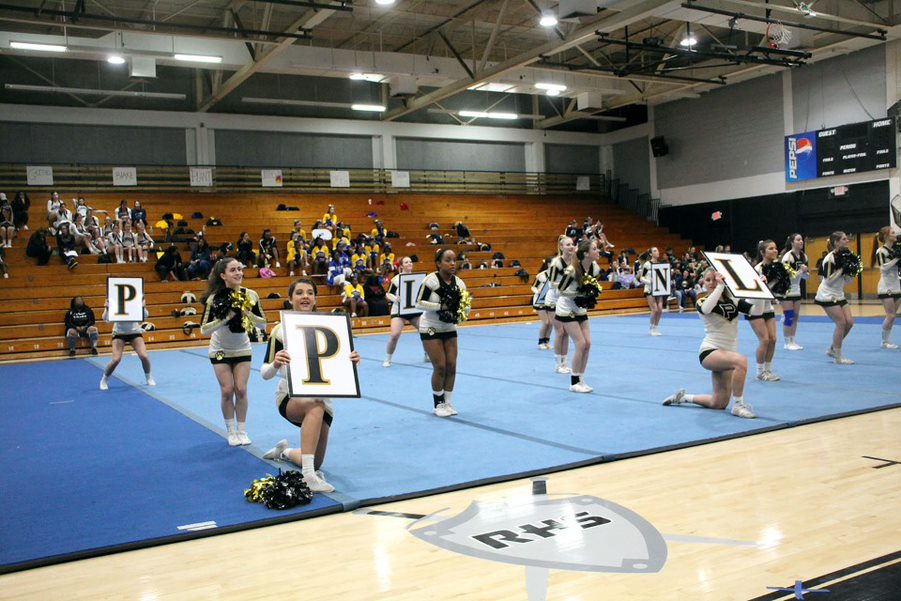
point(296, 257)
point(353, 298)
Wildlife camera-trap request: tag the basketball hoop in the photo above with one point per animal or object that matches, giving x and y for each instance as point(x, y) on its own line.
point(778, 34)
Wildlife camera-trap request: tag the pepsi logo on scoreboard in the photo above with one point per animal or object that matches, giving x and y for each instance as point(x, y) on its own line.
point(800, 157)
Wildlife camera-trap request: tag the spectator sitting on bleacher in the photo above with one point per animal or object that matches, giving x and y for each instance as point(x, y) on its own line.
point(3, 266)
point(465, 262)
point(296, 255)
point(625, 278)
point(80, 206)
point(375, 295)
point(80, 324)
point(38, 247)
point(359, 267)
point(573, 231)
point(386, 253)
point(338, 272)
point(114, 241)
point(20, 205)
point(122, 211)
point(143, 241)
point(245, 252)
point(387, 269)
point(65, 246)
point(139, 214)
point(268, 249)
point(330, 219)
point(62, 215)
point(82, 236)
point(435, 238)
point(378, 232)
point(354, 299)
point(170, 265)
point(7, 226)
point(319, 257)
point(201, 261)
point(53, 208)
point(129, 242)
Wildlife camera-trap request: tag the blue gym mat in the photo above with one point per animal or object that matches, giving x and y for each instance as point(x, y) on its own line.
point(87, 472)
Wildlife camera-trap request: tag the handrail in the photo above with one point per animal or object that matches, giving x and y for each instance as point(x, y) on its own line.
point(76, 178)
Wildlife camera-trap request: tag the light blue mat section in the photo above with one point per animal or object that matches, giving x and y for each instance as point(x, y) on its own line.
point(518, 417)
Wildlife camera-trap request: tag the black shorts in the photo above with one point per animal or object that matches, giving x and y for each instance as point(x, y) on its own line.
point(764, 316)
point(407, 318)
point(703, 355)
point(129, 338)
point(572, 318)
point(230, 360)
point(433, 335)
point(792, 297)
point(894, 295)
point(838, 303)
point(283, 411)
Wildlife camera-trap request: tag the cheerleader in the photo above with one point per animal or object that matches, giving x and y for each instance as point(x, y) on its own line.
point(793, 255)
point(719, 350)
point(886, 256)
point(126, 332)
point(114, 240)
point(540, 289)
point(839, 267)
point(572, 308)
point(7, 226)
point(762, 316)
point(645, 275)
point(565, 251)
point(143, 241)
point(397, 322)
point(230, 351)
point(312, 416)
point(129, 241)
point(442, 298)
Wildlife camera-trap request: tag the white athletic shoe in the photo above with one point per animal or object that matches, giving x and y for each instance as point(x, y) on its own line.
point(317, 484)
point(676, 399)
point(442, 410)
point(104, 383)
point(792, 346)
point(655, 332)
point(275, 453)
point(386, 363)
point(742, 409)
point(151, 381)
point(233, 440)
point(770, 377)
point(562, 369)
point(450, 408)
point(842, 360)
point(543, 347)
point(243, 438)
point(889, 345)
point(580, 387)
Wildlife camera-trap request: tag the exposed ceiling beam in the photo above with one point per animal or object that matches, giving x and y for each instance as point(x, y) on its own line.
point(493, 37)
point(609, 22)
point(797, 11)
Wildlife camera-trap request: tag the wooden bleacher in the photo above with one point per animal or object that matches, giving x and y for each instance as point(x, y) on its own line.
point(34, 300)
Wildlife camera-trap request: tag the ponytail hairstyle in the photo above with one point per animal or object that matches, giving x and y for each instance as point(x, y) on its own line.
point(833, 238)
point(215, 283)
point(761, 248)
point(581, 252)
point(880, 238)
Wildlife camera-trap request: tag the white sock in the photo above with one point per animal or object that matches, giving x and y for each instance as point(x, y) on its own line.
point(104, 378)
point(768, 366)
point(447, 396)
point(760, 368)
point(242, 426)
point(286, 454)
point(388, 357)
point(690, 398)
point(886, 334)
point(306, 465)
point(230, 425)
point(738, 399)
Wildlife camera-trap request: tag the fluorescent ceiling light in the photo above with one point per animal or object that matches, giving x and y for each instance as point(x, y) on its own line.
point(373, 77)
point(115, 60)
point(375, 108)
point(39, 47)
point(551, 86)
point(197, 58)
point(93, 92)
point(492, 87)
point(384, 2)
point(487, 115)
point(688, 41)
point(547, 19)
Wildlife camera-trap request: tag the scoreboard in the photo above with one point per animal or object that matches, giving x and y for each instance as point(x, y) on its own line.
point(851, 148)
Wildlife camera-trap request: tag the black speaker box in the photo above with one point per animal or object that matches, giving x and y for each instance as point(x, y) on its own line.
point(659, 147)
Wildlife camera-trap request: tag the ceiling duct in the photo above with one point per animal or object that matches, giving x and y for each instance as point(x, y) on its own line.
point(142, 66)
point(403, 87)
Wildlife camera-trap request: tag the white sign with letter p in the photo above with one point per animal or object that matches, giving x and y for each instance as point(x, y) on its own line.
point(124, 299)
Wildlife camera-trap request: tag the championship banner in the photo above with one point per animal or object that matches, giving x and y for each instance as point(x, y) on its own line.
point(408, 285)
point(271, 178)
point(39, 175)
point(124, 299)
point(320, 345)
point(202, 177)
point(125, 176)
point(741, 279)
point(660, 279)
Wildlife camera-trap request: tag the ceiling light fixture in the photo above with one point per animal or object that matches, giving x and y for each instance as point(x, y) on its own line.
point(373, 77)
point(492, 87)
point(38, 47)
point(547, 19)
point(689, 41)
point(115, 59)
point(197, 58)
point(384, 2)
point(92, 92)
point(559, 87)
point(373, 108)
point(487, 115)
